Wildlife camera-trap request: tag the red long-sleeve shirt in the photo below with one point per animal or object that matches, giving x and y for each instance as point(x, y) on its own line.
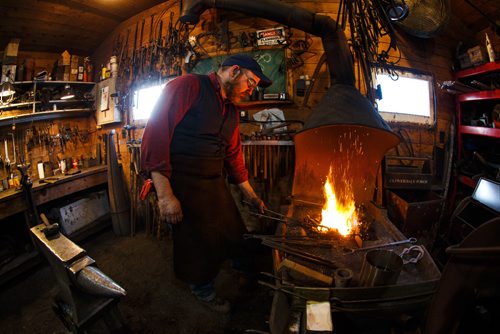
point(178, 96)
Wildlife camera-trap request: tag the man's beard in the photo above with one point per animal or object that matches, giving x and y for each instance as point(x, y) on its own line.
point(229, 88)
point(231, 94)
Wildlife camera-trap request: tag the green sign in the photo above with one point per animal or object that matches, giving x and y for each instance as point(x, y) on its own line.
point(271, 61)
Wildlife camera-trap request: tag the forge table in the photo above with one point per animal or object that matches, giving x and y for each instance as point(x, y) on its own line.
point(411, 293)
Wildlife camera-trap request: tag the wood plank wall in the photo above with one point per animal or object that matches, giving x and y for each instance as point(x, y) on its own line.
point(434, 55)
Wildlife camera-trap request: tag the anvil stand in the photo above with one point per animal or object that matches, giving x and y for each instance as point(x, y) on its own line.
point(86, 295)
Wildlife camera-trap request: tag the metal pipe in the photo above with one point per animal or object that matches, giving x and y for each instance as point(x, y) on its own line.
point(343, 103)
point(334, 40)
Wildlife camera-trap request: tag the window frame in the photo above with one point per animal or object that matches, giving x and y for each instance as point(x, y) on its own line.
point(133, 102)
point(395, 117)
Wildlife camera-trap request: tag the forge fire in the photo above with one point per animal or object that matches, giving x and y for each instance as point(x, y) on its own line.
point(339, 211)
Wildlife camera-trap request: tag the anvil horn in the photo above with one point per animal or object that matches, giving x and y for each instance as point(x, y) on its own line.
point(93, 281)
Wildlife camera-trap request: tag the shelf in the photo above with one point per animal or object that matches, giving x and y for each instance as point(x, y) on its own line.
point(30, 104)
point(478, 70)
point(69, 101)
point(479, 131)
point(44, 115)
point(252, 104)
point(18, 105)
point(48, 82)
point(481, 95)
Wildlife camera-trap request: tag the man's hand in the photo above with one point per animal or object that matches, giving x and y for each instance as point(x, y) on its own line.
point(258, 204)
point(169, 206)
point(170, 210)
point(252, 197)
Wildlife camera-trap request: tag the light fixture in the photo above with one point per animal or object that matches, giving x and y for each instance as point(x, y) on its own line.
point(7, 92)
point(67, 93)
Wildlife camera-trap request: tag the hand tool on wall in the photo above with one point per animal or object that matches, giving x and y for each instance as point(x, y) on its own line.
point(133, 59)
point(13, 148)
point(123, 58)
point(6, 160)
point(158, 54)
point(142, 54)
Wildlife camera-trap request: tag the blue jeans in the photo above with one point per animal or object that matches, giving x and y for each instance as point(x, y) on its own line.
point(204, 291)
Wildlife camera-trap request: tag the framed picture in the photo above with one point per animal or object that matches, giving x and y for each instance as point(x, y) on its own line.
point(104, 98)
point(9, 73)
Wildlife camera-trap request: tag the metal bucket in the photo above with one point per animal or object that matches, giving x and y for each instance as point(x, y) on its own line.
point(380, 267)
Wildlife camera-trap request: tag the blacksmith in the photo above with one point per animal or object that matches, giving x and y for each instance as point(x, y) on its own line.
point(190, 144)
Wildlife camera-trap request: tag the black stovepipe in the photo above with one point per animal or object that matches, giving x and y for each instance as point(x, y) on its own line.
point(334, 40)
point(343, 103)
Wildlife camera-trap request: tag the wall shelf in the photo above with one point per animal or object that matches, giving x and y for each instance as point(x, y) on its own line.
point(55, 83)
point(48, 105)
point(475, 115)
point(481, 95)
point(479, 131)
point(44, 116)
point(260, 103)
point(478, 70)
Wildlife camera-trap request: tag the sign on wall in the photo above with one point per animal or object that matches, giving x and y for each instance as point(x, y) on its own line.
point(273, 36)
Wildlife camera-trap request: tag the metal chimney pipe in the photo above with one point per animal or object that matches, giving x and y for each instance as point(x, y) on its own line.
point(343, 103)
point(338, 58)
point(344, 129)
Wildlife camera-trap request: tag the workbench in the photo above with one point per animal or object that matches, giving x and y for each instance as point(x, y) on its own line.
point(12, 202)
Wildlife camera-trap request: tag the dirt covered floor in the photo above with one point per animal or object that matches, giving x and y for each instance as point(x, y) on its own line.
point(156, 301)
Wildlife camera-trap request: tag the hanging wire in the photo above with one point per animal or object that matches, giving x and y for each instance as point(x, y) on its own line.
point(369, 22)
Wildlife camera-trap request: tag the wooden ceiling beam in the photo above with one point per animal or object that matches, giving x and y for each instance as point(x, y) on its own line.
point(26, 19)
point(85, 8)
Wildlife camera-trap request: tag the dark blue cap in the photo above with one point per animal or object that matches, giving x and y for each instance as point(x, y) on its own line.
point(249, 63)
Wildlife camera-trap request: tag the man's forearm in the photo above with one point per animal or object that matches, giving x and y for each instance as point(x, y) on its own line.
point(169, 206)
point(162, 185)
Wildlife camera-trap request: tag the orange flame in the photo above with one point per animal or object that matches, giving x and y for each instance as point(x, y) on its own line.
point(339, 213)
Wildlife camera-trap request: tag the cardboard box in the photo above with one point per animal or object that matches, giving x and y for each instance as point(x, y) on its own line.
point(414, 212)
point(73, 75)
point(476, 55)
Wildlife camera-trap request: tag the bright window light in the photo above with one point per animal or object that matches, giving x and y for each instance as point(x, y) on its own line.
point(145, 100)
point(409, 98)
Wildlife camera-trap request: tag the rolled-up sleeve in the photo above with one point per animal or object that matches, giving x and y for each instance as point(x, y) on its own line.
point(174, 102)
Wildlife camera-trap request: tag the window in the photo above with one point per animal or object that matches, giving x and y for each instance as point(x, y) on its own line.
point(406, 96)
point(144, 101)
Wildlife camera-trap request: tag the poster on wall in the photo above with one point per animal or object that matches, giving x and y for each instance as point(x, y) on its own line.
point(105, 98)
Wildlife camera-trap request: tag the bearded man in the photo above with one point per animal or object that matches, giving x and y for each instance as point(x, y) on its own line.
point(190, 144)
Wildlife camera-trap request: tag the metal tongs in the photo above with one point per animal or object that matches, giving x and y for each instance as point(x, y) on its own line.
point(389, 244)
point(283, 218)
point(274, 215)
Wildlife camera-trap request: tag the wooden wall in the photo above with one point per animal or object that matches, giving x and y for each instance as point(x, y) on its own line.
point(434, 55)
